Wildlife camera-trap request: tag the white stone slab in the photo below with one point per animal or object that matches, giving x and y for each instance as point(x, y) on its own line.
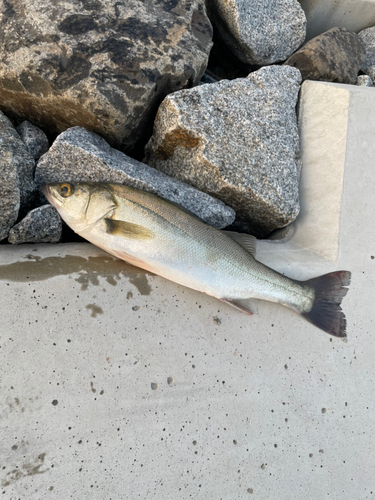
point(116, 384)
point(328, 131)
point(322, 15)
point(323, 129)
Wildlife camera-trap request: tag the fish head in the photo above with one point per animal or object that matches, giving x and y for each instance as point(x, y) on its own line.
point(80, 204)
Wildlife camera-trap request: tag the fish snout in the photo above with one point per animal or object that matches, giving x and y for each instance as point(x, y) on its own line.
point(46, 191)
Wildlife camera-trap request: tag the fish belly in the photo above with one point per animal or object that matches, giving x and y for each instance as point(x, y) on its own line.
point(228, 272)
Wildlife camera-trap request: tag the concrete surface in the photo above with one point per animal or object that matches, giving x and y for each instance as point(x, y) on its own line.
point(322, 15)
point(116, 384)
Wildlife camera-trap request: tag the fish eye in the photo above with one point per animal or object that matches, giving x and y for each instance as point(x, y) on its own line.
point(66, 190)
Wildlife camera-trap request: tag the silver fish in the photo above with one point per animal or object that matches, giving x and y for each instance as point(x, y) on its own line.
point(156, 235)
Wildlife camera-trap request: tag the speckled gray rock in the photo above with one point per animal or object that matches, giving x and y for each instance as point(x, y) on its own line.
point(368, 38)
point(41, 225)
point(236, 140)
point(364, 81)
point(259, 31)
point(17, 187)
point(34, 139)
point(334, 56)
point(81, 156)
point(100, 64)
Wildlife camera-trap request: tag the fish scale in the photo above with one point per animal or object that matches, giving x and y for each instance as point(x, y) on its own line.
point(221, 267)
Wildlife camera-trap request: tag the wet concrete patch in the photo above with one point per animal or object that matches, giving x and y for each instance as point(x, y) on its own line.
point(95, 310)
point(89, 270)
point(27, 469)
point(141, 283)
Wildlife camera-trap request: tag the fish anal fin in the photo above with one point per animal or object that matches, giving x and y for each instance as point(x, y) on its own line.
point(243, 305)
point(128, 230)
point(245, 240)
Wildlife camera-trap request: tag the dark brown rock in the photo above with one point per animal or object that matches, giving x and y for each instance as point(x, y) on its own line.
point(100, 64)
point(334, 56)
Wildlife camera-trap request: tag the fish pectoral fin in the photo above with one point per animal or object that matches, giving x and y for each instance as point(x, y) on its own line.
point(128, 230)
point(245, 240)
point(244, 305)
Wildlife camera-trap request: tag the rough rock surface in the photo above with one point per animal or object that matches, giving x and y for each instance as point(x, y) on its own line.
point(98, 64)
point(81, 156)
point(41, 225)
point(334, 56)
point(17, 187)
point(368, 38)
point(364, 81)
point(236, 140)
point(34, 139)
point(259, 31)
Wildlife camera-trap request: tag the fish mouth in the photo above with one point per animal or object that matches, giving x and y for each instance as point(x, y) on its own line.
point(46, 190)
point(47, 193)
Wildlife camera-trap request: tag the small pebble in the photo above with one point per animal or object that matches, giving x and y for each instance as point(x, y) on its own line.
point(216, 320)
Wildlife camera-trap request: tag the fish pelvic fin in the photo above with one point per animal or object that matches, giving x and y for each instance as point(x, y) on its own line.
point(326, 312)
point(244, 305)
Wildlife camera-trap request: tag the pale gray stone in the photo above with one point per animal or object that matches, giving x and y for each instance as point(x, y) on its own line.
point(78, 155)
point(41, 225)
point(104, 65)
point(17, 187)
point(34, 139)
point(368, 38)
point(259, 31)
point(364, 81)
point(236, 140)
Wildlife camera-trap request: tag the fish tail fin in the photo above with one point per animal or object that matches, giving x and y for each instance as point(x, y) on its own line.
point(326, 312)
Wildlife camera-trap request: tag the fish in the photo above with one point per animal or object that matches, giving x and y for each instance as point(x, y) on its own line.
point(164, 238)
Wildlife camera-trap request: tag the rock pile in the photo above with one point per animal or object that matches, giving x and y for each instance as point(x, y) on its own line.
point(83, 156)
point(90, 76)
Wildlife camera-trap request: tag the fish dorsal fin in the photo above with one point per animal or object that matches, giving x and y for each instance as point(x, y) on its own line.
point(128, 230)
point(245, 240)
